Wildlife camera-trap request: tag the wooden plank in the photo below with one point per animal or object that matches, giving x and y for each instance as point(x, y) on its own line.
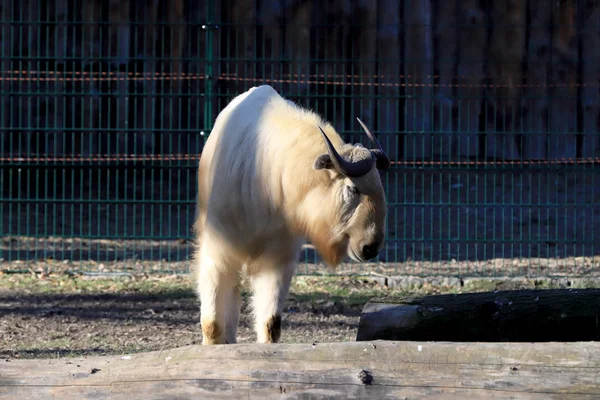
point(446, 13)
point(60, 40)
point(564, 55)
point(193, 106)
point(91, 48)
point(270, 13)
point(30, 120)
point(297, 46)
point(418, 71)
point(176, 22)
point(520, 315)
point(417, 370)
point(505, 56)
point(56, 143)
point(120, 49)
point(146, 139)
point(120, 31)
point(90, 51)
point(590, 95)
point(535, 95)
point(259, 391)
point(332, 71)
point(389, 47)
point(170, 122)
point(243, 44)
point(471, 54)
point(365, 52)
point(6, 47)
point(216, 40)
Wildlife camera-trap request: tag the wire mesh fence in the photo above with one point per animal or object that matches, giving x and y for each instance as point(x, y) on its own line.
point(489, 111)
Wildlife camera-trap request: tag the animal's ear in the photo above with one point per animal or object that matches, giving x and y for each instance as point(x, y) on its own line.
point(323, 162)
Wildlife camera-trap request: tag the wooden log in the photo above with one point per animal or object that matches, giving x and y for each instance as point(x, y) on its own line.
point(523, 315)
point(505, 55)
point(366, 370)
point(418, 71)
point(562, 142)
point(590, 94)
point(446, 13)
point(389, 47)
point(471, 54)
point(535, 94)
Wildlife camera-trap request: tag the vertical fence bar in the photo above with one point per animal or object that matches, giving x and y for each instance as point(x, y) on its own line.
point(208, 78)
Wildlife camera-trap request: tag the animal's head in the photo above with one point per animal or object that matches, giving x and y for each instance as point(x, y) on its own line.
point(357, 219)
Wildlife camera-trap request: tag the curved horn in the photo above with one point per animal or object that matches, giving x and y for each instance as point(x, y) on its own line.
point(350, 169)
point(383, 161)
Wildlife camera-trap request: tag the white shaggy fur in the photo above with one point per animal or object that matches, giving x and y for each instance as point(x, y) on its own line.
point(260, 195)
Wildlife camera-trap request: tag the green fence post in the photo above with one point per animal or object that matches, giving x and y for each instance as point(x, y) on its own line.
point(209, 69)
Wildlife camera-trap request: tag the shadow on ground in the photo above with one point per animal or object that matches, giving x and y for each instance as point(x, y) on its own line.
point(53, 325)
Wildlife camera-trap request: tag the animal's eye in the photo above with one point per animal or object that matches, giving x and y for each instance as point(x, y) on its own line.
point(354, 190)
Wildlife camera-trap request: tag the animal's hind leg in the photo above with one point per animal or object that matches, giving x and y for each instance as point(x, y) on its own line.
point(270, 288)
point(217, 279)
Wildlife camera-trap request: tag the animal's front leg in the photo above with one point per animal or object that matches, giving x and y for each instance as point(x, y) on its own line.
point(270, 288)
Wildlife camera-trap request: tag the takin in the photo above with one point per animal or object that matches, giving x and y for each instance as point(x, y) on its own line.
point(272, 175)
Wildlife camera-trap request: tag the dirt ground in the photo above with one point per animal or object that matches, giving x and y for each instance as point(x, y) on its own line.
point(48, 316)
point(61, 315)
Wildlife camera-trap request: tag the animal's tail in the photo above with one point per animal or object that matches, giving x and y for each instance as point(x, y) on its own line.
point(199, 219)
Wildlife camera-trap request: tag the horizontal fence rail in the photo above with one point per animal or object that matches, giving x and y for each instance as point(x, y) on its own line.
point(489, 111)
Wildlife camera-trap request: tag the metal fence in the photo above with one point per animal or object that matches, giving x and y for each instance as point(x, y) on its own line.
point(489, 112)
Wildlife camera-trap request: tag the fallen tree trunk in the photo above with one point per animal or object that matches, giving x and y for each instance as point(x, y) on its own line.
point(366, 370)
point(507, 316)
